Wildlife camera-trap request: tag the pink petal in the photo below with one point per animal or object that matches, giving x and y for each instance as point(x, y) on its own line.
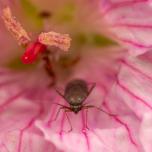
point(134, 82)
point(20, 105)
point(146, 131)
point(132, 91)
point(123, 90)
point(123, 87)
point(106, 132)
point(97, 140)
point(130, 22)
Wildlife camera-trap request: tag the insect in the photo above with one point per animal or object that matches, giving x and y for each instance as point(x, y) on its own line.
point(75, 94)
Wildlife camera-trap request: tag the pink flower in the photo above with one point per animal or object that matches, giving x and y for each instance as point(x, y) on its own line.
point(122, 73)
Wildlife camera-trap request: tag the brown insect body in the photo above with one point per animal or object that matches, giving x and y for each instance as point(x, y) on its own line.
point(75, 94)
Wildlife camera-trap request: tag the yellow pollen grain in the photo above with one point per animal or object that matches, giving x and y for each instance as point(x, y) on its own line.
point(61, 41)
point(15, 27)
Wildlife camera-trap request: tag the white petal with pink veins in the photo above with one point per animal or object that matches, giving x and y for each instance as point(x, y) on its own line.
point(109, 140)
point(131, 97)
point(130, 22)
point(20, 106)
point(123, 88)
point(135, 84)
point(106, 133)
point(146, 132)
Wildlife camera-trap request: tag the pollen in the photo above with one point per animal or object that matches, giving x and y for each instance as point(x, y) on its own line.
point(15, 27)
point(61, 41)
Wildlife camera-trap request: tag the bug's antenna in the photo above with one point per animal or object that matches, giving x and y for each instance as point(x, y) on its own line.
point(92, 87)
point(60, 94)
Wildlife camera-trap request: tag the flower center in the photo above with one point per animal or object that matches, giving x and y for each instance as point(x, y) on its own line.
point(66, 16)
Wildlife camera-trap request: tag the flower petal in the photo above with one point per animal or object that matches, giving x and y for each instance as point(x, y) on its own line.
point(127, 93)
point(145, 132)
point(133, 89)
point(20, 105)
point(100, 136)
point(98, 140)
point(130, 22)
point(134, 82)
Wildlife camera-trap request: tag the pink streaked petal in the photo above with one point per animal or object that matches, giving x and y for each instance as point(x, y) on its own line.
point(135, 82)
point(21, 105)
point(103, 96)
point(17, 132)
point(131, 96)
point(130, 22)
point(146, 131)
point(108, 140)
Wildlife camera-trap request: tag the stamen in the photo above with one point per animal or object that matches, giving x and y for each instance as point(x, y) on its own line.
point(15, 27)
point(61, 41)
point(32, 52)
point(45, 14)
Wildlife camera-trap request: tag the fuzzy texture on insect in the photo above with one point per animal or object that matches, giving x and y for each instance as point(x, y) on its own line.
point(75, 94)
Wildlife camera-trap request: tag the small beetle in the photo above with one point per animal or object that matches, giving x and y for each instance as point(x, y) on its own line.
point(75, 93)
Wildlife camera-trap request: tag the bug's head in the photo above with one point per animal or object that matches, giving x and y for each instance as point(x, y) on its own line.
point(75, 108)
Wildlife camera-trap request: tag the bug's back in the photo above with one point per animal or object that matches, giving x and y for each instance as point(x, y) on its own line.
point(76, 91)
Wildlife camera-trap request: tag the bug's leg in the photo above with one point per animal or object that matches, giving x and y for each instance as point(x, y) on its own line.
point(61, 105)
point(62, 121)
point(59, 110)
point(92, 106)
point(56, 116)
point(86, 118)
point(67, 110)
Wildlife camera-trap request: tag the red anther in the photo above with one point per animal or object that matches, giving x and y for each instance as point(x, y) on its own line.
point(32, 51)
